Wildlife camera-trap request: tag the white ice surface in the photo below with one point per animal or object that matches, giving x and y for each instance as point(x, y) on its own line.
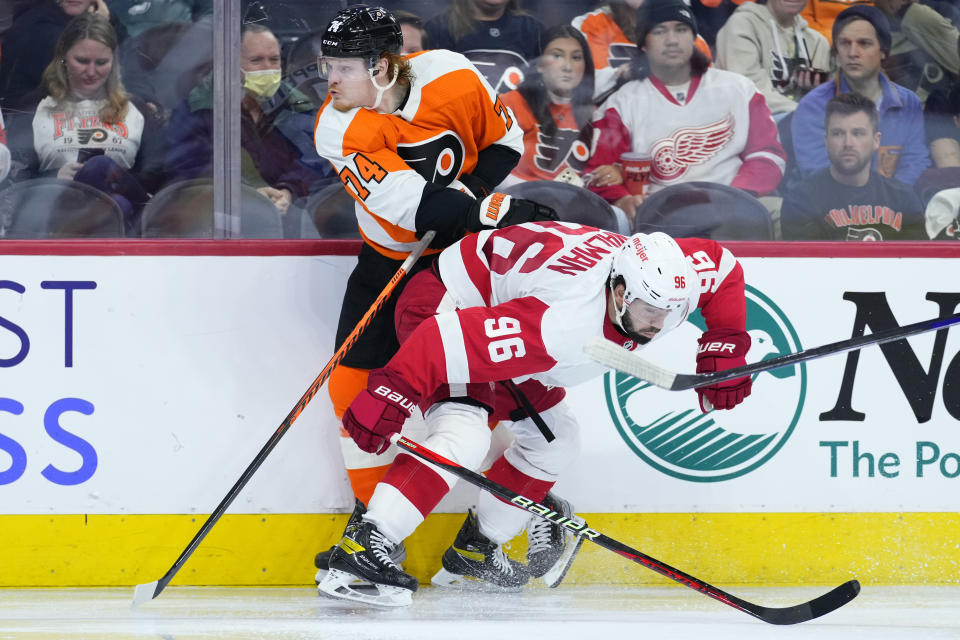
point(595, 613)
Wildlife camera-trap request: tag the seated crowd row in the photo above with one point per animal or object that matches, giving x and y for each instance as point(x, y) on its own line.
point(627, 99)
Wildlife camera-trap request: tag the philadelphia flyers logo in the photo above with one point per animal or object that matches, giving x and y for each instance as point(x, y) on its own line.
point(622, 53)
point(503, 70)
point(91, 135)
point(439, 159)
point(566, 146)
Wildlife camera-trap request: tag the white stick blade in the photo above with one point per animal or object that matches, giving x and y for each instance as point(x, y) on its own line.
point(144, 593)
point(616, 357)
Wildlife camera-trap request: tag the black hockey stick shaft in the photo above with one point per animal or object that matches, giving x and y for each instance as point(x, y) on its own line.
point(689, 381)
point(815, 608)
point(614, 356)
point(150, 590)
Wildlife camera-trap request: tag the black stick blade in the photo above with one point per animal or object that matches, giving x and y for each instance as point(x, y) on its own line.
point(830, 601)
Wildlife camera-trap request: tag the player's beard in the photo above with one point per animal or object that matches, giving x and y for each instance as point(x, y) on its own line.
point(634, 332)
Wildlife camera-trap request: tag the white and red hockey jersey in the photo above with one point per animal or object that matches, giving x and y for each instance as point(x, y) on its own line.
point(384, 160)
point(529, 296)
point(722, 131)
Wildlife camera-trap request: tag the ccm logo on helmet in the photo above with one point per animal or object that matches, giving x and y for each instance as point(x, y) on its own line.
point(493, 208)
point(393, 396)
point(717, 346)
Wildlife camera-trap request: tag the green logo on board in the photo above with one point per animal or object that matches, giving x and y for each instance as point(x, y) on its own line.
point(666, 428)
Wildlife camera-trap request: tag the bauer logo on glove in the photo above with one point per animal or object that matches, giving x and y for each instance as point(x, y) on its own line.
point(722, 349)
point(396, 397)
point(380, 410)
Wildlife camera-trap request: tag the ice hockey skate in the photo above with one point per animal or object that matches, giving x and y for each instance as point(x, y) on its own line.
point(364, 553)
point(552, 547)
point(322, 560)
point(477, 564)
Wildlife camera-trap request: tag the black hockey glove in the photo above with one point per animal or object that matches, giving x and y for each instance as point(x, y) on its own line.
point(500, 210)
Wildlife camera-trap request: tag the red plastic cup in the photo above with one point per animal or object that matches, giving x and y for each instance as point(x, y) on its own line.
point(636, 173)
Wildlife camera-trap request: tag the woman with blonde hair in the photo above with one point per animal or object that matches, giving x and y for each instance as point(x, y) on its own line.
point(86, 127)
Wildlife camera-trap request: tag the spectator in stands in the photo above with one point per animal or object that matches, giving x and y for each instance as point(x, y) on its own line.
point(272, 162)
point(498, 36)
point(28, 44)
point(848, 200)
point(769, 42)
point(611, 32)
point(87, 128)
point(822, 14)
point(554, 106)
point(138, 16)
point(923, 51)
point(693, 122)
point(415, 37)
point(4, 152)
point(942, 215)
point(942, 119)
point(861, 43)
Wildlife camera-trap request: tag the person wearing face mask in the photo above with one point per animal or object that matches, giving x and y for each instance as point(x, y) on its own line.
point(85, 127)
point(28, 44)
point(271, 160)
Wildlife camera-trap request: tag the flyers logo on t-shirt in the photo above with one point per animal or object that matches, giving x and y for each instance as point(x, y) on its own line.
point(438, 159)
point(564, 146)
point(85, 136)
point(622, 53)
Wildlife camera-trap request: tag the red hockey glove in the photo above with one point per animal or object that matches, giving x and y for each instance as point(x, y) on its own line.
point(500, 210)
point(722, 349)
point(380, 410)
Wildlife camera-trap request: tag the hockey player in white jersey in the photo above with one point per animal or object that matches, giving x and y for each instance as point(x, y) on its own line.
point(518, 303)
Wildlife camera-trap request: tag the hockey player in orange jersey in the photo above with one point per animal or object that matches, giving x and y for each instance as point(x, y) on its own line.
point(418, 141)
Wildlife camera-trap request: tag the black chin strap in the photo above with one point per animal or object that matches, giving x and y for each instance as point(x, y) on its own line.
point(525, 409)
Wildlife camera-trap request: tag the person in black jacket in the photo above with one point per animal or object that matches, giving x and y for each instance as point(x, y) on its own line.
point(28, 44)
point(847, 200)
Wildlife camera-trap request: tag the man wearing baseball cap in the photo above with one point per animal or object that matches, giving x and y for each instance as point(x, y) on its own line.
point(694, 122)
point(861, 42)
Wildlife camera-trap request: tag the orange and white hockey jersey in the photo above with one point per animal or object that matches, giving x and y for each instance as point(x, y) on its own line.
point(385, 160)
point(610, 48)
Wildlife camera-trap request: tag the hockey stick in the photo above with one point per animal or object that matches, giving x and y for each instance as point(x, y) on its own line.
point(833, 599)
point(616, 357)
point(150, 590)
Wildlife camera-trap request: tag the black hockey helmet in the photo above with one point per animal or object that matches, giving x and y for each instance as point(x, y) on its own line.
point(362, 32)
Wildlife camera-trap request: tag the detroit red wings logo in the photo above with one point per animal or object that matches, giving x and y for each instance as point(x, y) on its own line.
point(688, 146)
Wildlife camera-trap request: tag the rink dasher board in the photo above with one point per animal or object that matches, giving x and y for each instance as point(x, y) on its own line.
point(176, 368)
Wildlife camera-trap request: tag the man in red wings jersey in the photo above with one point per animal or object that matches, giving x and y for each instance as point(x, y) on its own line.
point(419, 142)
point(519, 303)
